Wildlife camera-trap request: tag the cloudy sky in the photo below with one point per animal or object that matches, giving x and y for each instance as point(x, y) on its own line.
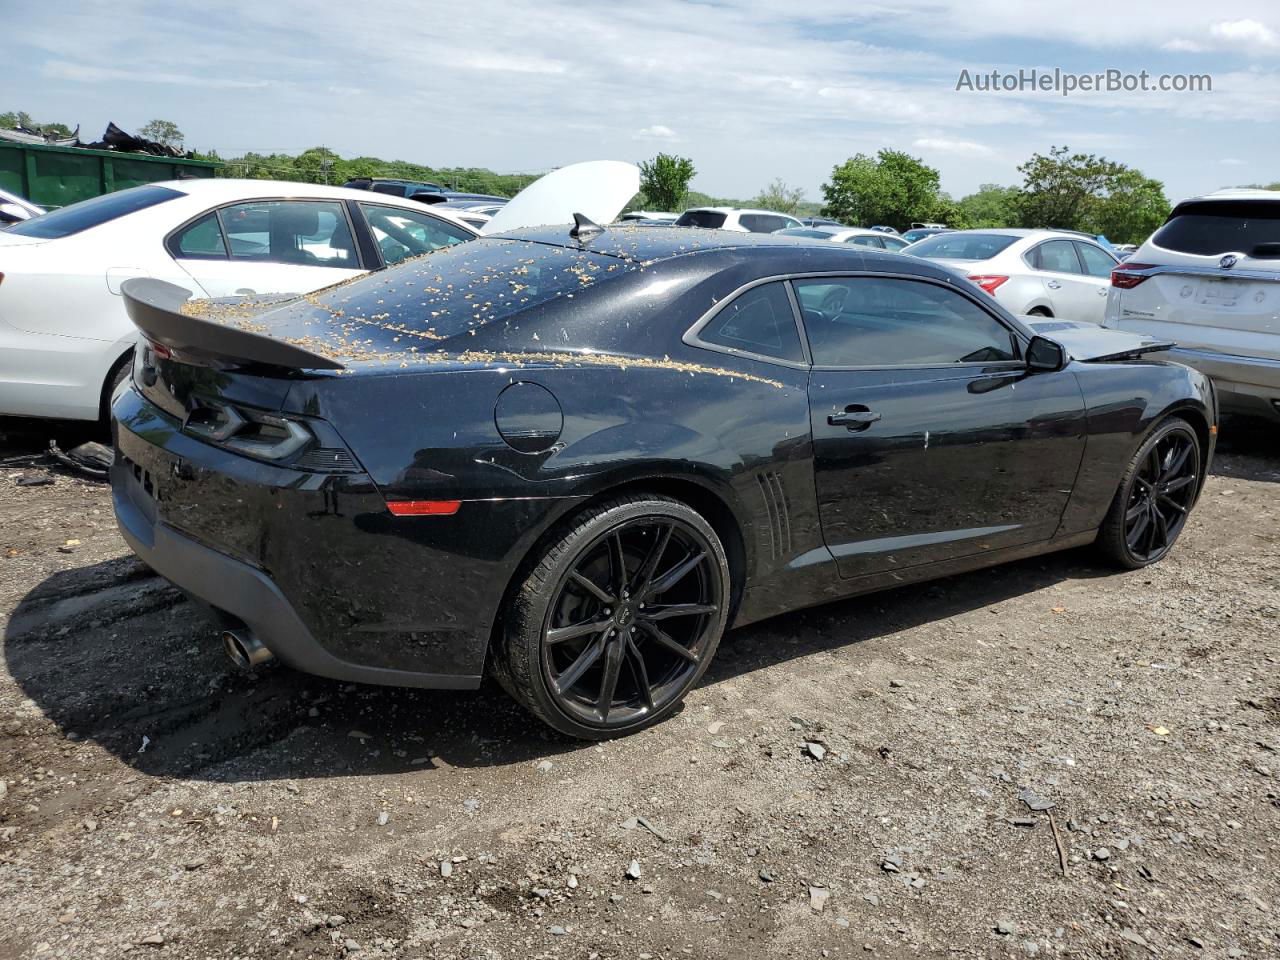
point(749, 89)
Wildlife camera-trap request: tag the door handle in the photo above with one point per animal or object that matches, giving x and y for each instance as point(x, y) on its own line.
point(1102, 291)
point(854, 417)
point(1053, 284)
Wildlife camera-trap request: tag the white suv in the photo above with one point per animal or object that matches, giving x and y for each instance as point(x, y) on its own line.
point(1209, 280)
point(735, 218)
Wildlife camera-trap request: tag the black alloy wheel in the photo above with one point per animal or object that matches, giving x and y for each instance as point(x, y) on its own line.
point(619, 620)
point(1155, 496)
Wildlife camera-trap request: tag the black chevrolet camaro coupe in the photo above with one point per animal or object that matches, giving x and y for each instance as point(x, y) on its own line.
point(574, 457)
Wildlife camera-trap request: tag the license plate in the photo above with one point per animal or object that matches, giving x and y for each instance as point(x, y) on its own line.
point(1221, 293)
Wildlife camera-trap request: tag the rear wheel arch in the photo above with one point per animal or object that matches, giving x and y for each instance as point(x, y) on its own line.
point(117, 372)
point(713, 507)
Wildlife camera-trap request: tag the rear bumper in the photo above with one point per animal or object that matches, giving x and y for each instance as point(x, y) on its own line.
point(1244, 384)
point(316, 566)
point(248, 595)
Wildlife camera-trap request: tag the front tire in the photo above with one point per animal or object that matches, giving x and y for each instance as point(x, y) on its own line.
point(618, 618)
point(1154, 499)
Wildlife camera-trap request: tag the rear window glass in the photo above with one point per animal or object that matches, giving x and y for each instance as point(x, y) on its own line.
point(1209, 229)
point(759, 321)
point(456, 290)
point(961, 246)
point(92, 213)
point(710, 219)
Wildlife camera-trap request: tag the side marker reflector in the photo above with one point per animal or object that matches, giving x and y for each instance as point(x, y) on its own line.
point(424, 508)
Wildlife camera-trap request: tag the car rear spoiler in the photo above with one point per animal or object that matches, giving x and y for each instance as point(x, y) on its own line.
point(156, 308)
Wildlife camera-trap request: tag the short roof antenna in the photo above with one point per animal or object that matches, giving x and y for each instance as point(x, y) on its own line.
point(584, 228)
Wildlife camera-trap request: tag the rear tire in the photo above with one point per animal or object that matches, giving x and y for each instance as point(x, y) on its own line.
point(118, 375)
point(618, 618)
point(1154, 498)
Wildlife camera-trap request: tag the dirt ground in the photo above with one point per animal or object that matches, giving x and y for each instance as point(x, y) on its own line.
point(154, 802)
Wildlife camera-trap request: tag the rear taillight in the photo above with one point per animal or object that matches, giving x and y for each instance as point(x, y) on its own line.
point(988, 282)
point(264, 436)
point(1125, 277)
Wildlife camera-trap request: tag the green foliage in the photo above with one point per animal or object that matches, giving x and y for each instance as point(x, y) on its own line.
point(322, 165)
point(891, 188)
point(20, 118)
point(780, 197)
point(162, 131)
point(990, 206)
point(1078, 191)
point(664, 181)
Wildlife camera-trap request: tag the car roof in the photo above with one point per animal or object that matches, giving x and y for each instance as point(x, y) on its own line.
point(217, 190)
point(772, 213)
point(1024, 232)
point(649, 244)
point(1237, 193)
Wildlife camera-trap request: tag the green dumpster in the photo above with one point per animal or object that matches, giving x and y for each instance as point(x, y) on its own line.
point(56, 176)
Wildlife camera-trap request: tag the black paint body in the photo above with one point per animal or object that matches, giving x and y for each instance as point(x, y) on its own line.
point(968, 465)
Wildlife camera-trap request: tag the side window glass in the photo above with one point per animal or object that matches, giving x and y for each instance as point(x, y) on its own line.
point(758, 321)
point(200, 240)
point(402, 234)
point(865, 241)
point(304, 232)
point(880, 321)
point(1058, 256)
point(1096, 261)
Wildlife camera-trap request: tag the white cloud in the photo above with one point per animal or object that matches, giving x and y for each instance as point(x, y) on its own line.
point(656, 132)
point(63, 70)
point(1232, 162)
point(514, 64)
point(1245, 33)
point(943, 145)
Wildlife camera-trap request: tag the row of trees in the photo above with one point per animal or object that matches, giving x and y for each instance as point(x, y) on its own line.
point(1069, 191)
point(1073, 191)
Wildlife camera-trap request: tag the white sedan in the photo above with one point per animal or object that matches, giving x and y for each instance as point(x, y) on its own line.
point(1046, 273)
point(65, 340)
point(875, 239)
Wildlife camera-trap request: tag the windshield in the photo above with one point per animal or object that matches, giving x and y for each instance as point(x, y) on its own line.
point(961, 246)
point(1213, 228)
point(711, 219)
point(92, 213)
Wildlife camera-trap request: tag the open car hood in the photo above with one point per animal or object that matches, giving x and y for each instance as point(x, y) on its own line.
point(599, 189)
point(1090, 342)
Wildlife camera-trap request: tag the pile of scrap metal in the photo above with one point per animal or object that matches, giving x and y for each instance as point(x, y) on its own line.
point(113, 139)
point(37, 136)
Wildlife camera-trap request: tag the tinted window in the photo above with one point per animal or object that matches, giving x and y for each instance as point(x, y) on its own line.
point(1058, 256)
point(701, 218)
point(404, 233)
point(450, 293)
point(1096, 261)
point(865, 241)
point(393, 189)
point(307, 232)
point(764, 222)
point(92, 213)
point(806, 232)
point(894, 243)
point(1216, 227)
point(759, 321)
point(201, 239)
point(961, 246)
point(876, 321)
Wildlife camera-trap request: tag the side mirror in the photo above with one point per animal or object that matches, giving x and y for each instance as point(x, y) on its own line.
point(1045, 354)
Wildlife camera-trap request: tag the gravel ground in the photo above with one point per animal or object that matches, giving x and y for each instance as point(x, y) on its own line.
point(854, 780)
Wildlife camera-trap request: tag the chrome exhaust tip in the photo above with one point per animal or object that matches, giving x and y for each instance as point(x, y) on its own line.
point(245, 650)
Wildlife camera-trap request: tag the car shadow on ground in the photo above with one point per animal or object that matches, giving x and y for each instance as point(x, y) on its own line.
point(1248, 449)
point(111, 654)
